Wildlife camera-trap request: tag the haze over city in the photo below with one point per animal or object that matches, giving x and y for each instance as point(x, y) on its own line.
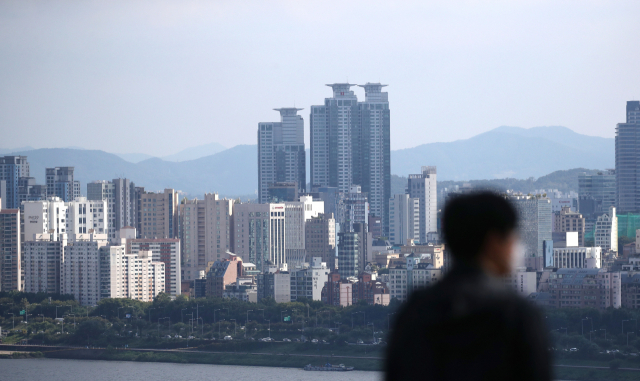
point(210, 71)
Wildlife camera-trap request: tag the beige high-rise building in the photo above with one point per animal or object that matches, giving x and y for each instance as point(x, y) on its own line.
point(158, 214)
point(205, 232)
point(165, 250)
point(568, 221)
point(80, 268)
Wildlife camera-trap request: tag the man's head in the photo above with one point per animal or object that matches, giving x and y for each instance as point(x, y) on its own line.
point(480, 227)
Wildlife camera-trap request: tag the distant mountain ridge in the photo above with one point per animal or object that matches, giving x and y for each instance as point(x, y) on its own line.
point(505, 152)
point(508, 152)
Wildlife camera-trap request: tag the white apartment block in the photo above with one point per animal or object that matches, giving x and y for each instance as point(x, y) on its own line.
point(606, 231)
point(424, 187)
point(259, 234)
point(42, 257)
point(165, 250)
point(80, 268)
point(133, 276)
point(205, 232)
point(296, 216)
point(404, 219)
point(53, 216)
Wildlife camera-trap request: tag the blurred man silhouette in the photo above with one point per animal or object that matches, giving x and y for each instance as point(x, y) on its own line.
point(468, 326)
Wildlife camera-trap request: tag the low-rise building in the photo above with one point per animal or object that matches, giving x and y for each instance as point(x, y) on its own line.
point(308, 281)
point(630, 289)
point(410, 276)
point(521, 281)
point(582, 288)
point(275, 283)
point(222, 273)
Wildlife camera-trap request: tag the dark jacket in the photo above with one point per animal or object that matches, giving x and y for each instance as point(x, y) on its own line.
point(468, 327)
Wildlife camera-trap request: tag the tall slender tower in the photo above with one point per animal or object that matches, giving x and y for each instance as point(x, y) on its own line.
point(281, 152)
point(628, 161)
point(372, 151)
point(332, 128)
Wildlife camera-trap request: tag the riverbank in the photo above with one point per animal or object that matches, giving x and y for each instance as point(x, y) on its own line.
point(569, 369)
point(194, 356)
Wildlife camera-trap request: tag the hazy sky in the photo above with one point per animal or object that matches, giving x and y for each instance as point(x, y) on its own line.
point(156, 77)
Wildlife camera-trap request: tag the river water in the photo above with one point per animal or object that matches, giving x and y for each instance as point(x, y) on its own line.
point(89, 370)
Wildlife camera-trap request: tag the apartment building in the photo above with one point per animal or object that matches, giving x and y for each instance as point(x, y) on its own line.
point(206, 233)
point(404, 219)
point(61, 183)
point(157, 214)
point(297, 214)
point(55, 216)
point(165, 250)
point(259, 234)
point(80, 268)
point(133, 276)
point(12, 168)
point(42, 258)
point(320, 239)
point(120, 195)
point(11, 258)
point(423, 187)
point(281, 153)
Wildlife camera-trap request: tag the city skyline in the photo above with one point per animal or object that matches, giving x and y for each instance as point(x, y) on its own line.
point(502, 74)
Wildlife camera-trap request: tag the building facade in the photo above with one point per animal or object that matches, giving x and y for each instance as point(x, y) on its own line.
point(60, 183)
point(596, 193)
point(11, 251)
point(205, 231)
point(410, 276)
point(42, 257)
point(281, 153)
point(567, 221)
point(80, 268)
point(404, 219)
point(12, 168)
point(606, 231)
point(535, 223)
point(627, 161)
point(165, 250)
point(423, 187)
point(320, 239)
point(121, 198)
point(259, 234)
point(157, 214)
point(308, 282)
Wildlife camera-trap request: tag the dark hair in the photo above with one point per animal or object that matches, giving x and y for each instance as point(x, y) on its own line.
point(469, 218)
